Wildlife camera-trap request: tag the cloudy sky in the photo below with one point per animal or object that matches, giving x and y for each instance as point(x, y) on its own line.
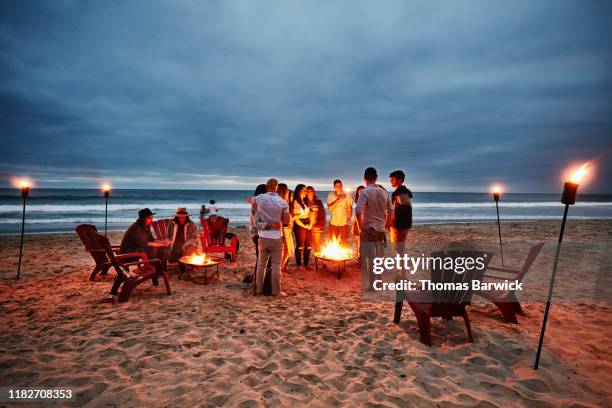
point(199, 94)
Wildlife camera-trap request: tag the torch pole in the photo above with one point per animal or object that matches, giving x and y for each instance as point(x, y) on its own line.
point(24, 195)
point(105, 211)
point(550, 289)
point(501, 247)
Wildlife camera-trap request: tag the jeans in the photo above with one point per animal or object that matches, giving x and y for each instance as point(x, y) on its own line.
point(398, 239)
point(269, 249)
point(302, 244)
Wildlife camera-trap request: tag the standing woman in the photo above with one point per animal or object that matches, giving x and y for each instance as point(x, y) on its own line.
point(356, 231)
point(301, 225)
point(288, 242)
point(317, 218)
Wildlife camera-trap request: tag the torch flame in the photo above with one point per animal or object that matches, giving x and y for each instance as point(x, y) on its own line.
point(106, 187)
point(333, 249)
point(579, 173)
point(24, 184)
point(496, 189)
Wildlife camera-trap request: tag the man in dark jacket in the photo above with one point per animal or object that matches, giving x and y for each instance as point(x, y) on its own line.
point(401, 220)
point(136, 239)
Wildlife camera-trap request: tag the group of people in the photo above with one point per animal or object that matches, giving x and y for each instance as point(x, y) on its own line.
point(284, 222)
point(182, 235)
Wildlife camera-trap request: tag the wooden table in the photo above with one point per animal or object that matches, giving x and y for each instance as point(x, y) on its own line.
point(210, 262)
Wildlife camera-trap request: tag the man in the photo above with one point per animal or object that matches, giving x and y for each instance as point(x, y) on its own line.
point(374, 211)
point(271, 212)
point(137, 238)
point(401, 221)
point(183, 234)
point(212, 210)
point(341, 208)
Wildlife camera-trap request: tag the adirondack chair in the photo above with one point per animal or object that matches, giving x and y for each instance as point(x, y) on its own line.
point(212, 238)
point(160, 228)
point(145, 269)
point(87, 234)
point(506, 300)
point(443, 303)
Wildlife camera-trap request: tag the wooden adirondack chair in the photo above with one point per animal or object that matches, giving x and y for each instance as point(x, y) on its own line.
point(145, 269)
point(506, 300)
point(160, 228)
point(87, 234)
point(213, 234)
point(444, 303)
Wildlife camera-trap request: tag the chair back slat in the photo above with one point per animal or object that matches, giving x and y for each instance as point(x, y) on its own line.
point(105, 244)
point(160, 228)
point(217, 229)
point(87, 233)
point(531, 257)
point(459, 288)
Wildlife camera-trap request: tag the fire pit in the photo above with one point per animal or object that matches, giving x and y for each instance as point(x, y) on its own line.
point(333, 251)
point(202, 262)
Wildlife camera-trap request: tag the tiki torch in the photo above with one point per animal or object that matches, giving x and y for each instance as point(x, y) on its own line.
point(570, 188)
point(496, 194)
point(24, 185)
point(106, 190)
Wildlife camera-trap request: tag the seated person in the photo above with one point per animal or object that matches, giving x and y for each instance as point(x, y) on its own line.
point(137, 239)
point(184, 236)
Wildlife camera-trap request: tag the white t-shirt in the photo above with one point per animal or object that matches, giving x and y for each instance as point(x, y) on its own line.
point(340, 212)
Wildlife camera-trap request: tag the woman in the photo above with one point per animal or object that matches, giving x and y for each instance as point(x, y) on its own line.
point(261, 189)
point(317, 218)
point(356, 230)
point(301, 225)
point(183, 234)
point(288, 243)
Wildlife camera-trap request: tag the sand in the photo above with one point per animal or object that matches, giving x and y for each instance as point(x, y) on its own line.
point(321, 346)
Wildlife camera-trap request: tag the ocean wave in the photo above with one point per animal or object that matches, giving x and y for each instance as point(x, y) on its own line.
point(59, 208)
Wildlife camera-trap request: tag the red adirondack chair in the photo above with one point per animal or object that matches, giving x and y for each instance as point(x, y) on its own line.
point(145, 269)
point(87, 234)
point(506, 300)
point(212, 238)
point(160, 228)
point(443, 303)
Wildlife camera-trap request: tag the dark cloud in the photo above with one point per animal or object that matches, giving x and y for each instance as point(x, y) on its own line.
point(458, 94)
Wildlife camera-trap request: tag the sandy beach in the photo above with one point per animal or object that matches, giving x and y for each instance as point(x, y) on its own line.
point(321, 346)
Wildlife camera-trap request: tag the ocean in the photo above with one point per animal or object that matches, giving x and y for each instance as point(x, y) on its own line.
point(60, 210)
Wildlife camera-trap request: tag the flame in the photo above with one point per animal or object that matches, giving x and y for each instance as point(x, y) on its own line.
point(579, 173)
point(333, 249)
point(106, 187)
point(496, 189)
point(24, 184)
point(200, 259)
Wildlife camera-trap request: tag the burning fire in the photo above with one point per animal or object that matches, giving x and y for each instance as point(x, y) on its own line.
point(106, 187)
point(198, 259)
point(333, 249)
point(496, 189)
point(579, 173)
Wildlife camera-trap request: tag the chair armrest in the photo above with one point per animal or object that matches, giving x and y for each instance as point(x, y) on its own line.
point(141, 255)
point(503, 269)
point(142, 262)
point(498, 277)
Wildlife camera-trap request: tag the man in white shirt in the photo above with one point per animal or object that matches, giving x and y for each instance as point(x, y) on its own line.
point(271, 212)
point(341, 208)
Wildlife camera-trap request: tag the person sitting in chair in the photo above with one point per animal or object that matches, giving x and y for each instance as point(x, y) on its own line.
point(184, 236)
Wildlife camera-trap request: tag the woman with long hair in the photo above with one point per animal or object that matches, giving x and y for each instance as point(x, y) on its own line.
point(288, 242)
point(317, 218)
point(356, 229)
point(301, 225)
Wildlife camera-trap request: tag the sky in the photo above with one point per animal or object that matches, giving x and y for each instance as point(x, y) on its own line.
point(224, 94)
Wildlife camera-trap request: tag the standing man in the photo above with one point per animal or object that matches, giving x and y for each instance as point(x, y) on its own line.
point(341, 208)
point(401, 221)
point(374, 211)
point(271, 212)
